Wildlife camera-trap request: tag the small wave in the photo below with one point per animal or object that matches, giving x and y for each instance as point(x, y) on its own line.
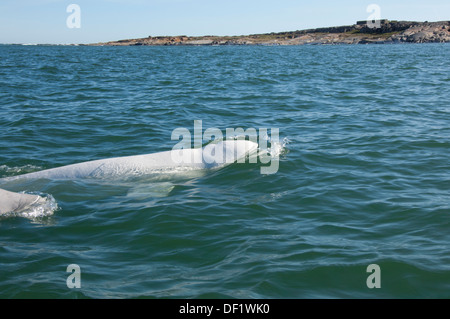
point(37, 210)
point(9, 171)
point(276, 148)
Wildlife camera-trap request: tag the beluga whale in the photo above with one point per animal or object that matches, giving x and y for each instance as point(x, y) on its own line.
point(16, 202)
point(167, 163)
point(211, 156)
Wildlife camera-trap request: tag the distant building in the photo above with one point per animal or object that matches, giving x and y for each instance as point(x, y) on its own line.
point(363, 22)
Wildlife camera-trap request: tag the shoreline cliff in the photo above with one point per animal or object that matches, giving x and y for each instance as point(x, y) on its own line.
point(359, 33)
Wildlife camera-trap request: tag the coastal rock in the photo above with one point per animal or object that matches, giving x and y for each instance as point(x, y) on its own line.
point(359, 33)
point(426, 32)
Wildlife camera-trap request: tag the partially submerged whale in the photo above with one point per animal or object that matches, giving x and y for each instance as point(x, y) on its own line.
point(174, 162)
point(213, 155)
point(178, 161)
point(16, 202)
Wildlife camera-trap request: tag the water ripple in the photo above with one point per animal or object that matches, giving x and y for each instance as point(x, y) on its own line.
point(363, 171)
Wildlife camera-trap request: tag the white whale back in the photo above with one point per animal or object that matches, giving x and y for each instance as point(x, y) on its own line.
point(175, 161)
point(210, 156)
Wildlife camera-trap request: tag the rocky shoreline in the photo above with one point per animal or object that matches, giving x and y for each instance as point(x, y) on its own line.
point(359, 33)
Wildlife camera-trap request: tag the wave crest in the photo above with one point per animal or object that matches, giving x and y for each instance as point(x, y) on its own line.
point(11, 171)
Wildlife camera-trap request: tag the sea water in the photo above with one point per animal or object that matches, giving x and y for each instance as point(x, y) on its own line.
point(363, 176)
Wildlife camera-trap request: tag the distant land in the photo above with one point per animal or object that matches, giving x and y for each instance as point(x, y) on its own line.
point(390, 31)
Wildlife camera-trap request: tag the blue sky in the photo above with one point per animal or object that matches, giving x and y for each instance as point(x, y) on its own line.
point(44, 21)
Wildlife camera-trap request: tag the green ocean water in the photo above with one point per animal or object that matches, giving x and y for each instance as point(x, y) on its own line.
point(363, 176)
